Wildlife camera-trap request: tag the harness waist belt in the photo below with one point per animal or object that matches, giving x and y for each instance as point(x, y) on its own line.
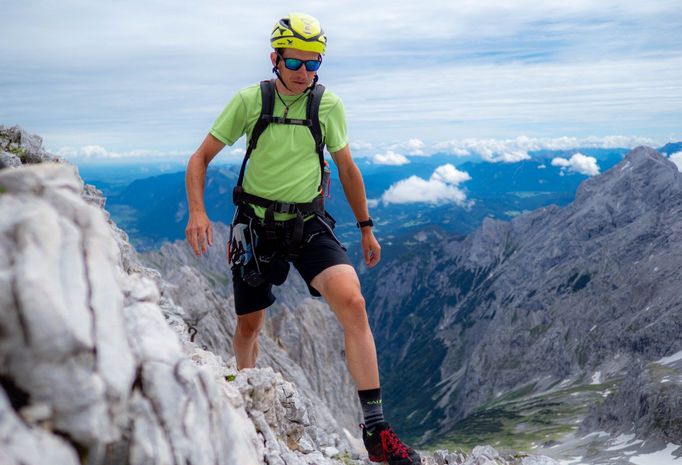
point(276, 206)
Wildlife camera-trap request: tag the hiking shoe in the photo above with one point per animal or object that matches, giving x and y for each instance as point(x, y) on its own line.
point(383, 445)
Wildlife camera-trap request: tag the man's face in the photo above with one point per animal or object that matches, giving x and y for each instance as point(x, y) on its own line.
point(299, 80)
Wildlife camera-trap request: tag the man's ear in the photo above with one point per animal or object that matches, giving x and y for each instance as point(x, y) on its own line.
point(273, 58)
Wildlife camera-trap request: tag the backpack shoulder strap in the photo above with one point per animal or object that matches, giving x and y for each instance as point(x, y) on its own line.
point(267, 91)
point(313, 115)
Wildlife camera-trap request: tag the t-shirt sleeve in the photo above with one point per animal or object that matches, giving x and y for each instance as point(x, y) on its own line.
point(231, 124)
point(336, 135)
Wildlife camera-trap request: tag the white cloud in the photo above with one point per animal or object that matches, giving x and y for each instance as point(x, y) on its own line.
point(677, 159)
point(545, 68)
point(441, 187)
point(97, 152)
point(578, 163)
point(514, 150)
point(390, 158)
point(361, 146)
point(492, 150)
point(448, 174)
point(415, 147)
point(411, 147)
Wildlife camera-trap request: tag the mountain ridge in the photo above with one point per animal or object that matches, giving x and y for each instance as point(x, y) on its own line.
point(507, 291)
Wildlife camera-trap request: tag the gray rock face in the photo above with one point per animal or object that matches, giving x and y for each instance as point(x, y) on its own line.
point(86, 352)
point(649, 401)
point(18, 146)
point(555, 295)
point(8, 160)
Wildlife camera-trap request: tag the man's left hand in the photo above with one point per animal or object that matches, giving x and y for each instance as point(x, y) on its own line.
point(370, 247)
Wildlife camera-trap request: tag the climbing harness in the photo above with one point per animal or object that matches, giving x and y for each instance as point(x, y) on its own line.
point(243, 234)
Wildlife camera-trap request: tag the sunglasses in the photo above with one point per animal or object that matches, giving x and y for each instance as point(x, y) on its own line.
point(294, 64)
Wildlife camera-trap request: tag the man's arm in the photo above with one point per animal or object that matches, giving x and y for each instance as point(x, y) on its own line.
point(199, 230)
point(354, 188)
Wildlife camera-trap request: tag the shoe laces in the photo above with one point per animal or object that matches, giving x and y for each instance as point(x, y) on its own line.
point(393, 445)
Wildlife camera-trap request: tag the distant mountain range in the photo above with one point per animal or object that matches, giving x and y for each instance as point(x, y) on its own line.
point(514, 332)
point(153, 209)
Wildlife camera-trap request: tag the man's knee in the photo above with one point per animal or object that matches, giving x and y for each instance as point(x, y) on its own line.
point(355, 302)
point(353, 316)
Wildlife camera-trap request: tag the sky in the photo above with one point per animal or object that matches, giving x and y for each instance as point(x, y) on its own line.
point(102, 80)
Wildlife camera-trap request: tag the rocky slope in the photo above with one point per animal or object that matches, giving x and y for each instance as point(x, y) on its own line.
point(551, 310)
point(97, 365)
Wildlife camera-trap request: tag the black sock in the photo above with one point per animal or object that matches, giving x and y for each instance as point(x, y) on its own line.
point(372, 409)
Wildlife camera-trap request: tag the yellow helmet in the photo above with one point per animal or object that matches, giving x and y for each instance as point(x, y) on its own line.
point(299, 31)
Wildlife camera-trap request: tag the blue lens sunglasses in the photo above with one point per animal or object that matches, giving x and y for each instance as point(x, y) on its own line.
point(294, 64)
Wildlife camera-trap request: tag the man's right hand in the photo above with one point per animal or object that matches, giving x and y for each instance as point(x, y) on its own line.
point(199, 233)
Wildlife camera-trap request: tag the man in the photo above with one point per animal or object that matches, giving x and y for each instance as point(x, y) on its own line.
point(280, 216)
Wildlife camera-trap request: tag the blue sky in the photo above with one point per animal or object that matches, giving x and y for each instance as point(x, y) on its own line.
point(127, 78)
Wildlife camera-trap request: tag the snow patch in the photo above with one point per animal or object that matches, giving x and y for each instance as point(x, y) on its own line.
point(623, 441)
point(671, 359)
point(599, 434)
point(661, 457)
point(596, 378)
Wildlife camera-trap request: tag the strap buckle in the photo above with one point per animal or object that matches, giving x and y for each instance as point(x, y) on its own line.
point(285, 207)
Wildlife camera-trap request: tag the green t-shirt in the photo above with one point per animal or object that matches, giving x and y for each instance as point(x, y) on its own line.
point(284, 166)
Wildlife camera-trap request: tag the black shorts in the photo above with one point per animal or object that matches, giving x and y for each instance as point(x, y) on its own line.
point(320, 250)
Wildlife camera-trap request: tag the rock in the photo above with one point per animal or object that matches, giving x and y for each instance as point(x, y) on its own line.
point(331, 452)
point(24, 445)
point(445, 457)
point(537, 460)
point(483, 455)
point(89, 352)
point(8, 160)
point(27, 148)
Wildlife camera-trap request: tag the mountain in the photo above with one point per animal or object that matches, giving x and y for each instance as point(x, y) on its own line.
point(99, 365)
point(515, 330)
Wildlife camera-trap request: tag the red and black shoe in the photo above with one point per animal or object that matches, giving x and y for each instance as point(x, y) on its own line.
point(383, 445)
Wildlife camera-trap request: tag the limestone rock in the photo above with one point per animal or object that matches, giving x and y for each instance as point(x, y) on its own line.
point(27, 148)
point(90, 342)
point(8, 160)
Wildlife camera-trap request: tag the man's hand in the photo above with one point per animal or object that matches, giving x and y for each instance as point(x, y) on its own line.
point(370, 247)
point(199, 232)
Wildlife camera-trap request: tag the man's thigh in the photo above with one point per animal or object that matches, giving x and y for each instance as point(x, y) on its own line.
point(321, 252)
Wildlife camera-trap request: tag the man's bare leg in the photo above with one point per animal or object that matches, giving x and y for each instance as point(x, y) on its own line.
point(245, 341)
point(340, 287)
